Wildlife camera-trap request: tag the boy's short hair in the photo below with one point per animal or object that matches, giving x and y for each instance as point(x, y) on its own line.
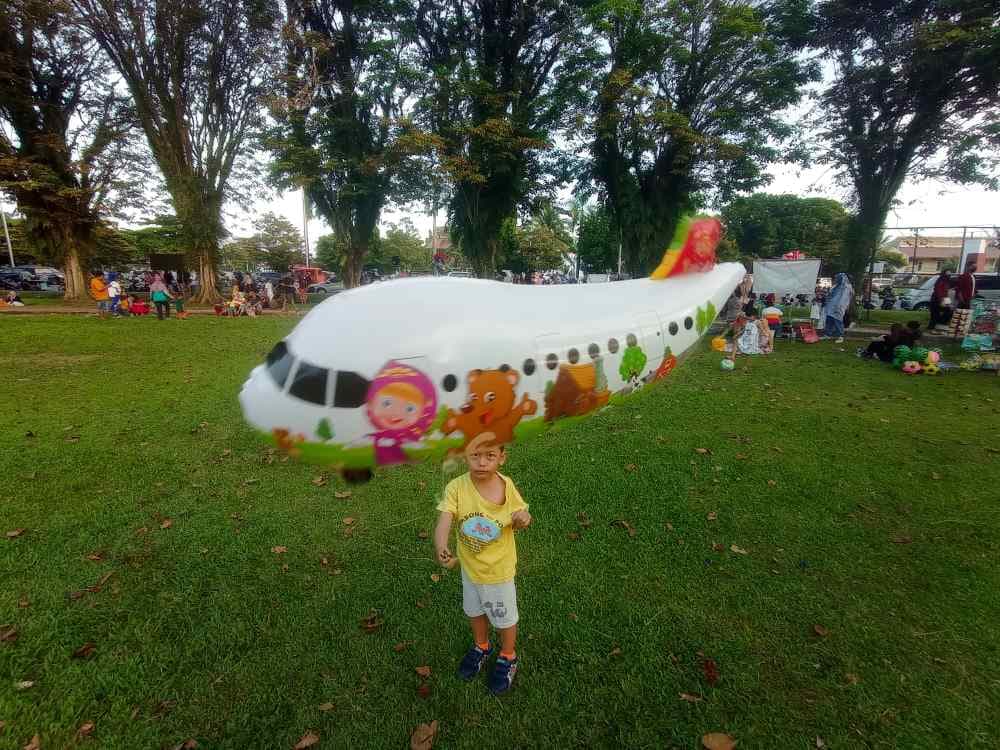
point(485, 440)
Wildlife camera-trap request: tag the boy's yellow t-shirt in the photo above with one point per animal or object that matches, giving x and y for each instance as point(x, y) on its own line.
point(485, 547)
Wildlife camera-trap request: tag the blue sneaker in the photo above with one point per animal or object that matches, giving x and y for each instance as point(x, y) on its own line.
point(472, 662)
point(502, 678)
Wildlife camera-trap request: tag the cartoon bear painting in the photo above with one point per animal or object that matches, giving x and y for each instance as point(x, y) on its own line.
point(490, 407)
point(578, 389)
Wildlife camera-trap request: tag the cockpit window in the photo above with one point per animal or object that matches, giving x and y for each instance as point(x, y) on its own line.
point(350, 390)
point(279, 362)
point(309, 383)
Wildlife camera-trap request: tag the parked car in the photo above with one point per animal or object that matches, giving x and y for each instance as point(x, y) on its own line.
point(460, 274)
point(987, 289)
point(326, 288)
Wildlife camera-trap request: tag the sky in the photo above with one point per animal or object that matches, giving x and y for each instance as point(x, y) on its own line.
point(922, 204)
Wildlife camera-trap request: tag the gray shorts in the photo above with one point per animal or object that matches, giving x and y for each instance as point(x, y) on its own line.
point(498, 601)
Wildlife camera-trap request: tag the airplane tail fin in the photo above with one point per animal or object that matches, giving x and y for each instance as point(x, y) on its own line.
point(692, 247)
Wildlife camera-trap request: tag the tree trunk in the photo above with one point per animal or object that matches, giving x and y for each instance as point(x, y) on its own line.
point(353, 262)
point(861, 240)
point(208, 292)
point(76, 284)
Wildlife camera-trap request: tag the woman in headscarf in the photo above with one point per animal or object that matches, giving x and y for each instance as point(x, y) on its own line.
point(838, 302)
point(161, 297)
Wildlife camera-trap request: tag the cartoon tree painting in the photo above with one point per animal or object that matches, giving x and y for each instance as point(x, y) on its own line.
point(705, 317)
point(633, 363)
point(324, 430)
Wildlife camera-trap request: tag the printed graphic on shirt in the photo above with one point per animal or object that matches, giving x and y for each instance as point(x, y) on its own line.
point(477, 531)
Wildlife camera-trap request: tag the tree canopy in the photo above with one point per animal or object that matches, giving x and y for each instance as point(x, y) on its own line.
point(66, 143)
point(767, 226)
point(688, 107)
point(196, 72)
point(914, 94)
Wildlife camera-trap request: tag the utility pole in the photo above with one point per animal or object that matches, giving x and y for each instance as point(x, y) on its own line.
point(913, 260)
point(305, 224)
point(10, 251)
point(619, 251)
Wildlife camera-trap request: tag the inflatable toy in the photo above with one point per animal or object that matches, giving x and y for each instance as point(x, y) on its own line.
point(900, 355)
point(933, 357)
point(418, 368)
point(727, 364)
point(911, 367)
point(931, 369)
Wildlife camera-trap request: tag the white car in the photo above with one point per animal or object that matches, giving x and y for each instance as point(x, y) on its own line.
point(326, 288)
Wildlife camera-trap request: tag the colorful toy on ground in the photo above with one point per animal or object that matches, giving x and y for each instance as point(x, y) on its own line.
point(911, 367)
point(931, 369)
point(727, 364)
point(418, 368)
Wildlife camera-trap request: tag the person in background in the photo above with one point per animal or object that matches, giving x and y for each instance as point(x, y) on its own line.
point(177, 292)
point(942, 287)
point(137, 307)
point(838, 302)
point(268, 294)
point(965, 289)
point(772, 316)
point(161, 297)
point(99, 291)
point(114, 288)
point(911, 334)
point(12, 299)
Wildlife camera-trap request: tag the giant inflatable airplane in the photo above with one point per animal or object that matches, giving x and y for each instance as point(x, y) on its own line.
point(418, 368)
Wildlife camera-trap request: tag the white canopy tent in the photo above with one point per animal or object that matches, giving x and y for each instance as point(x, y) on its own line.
point(785, 276)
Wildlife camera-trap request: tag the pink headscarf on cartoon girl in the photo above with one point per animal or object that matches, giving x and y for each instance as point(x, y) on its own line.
point(401, 403)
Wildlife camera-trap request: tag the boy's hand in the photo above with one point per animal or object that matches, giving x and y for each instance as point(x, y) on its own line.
point(445, 557)
point(520, 519)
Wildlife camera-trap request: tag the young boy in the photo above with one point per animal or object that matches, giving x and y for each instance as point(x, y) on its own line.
point(488, 508)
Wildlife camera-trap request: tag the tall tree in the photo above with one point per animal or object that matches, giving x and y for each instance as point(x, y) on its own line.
point(498, 86)
point(196, 70)
point(687, 107)
point(279, 243)
point(915, 94)
point(66, 139)
point(764, 225)
point(343, 132)
point(597, 241)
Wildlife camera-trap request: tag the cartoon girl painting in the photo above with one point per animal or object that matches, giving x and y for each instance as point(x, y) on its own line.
point(401, 404)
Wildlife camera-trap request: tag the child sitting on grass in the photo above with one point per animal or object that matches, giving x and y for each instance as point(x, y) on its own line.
point(488, 509)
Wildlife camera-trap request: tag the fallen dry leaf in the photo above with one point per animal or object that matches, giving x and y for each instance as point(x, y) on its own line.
point(348, 521)
point(631, 467)
point(105, 578)
point(308, 740)
point(935, 476)
point(320, 480)
point(372, 621)
point(326, 707)
point(852, 679)
point(615, 651)
point(820, 744)
point(14, 533)
point(34, 744)
point(86, 729)
point(702, 451)
point(738, 550)
point(424, 736)
point(424, 690)
point(23, 603)
point(24, 684)
point(716, 547)
point(711, 671)
point(85, 651)
point(622, 523)
point(902, 539)
point(573, 536)
point(424, 672)
point(691, 697)
point(342, 494)
point(166, 523)
point(713, 516)
point(771, 483)
point(8, 634)
point(401, 646)
point(227, 452)
point(776, 449)
point(435, 577)
point(279, 550)
point(189, 744)
point(669, 526)
point(96, 556)
point(741, 456)
point(323, 561)
point(821, 631)
point(584, 520)
point(422, 535)
point(717, 741)
point(574, 616)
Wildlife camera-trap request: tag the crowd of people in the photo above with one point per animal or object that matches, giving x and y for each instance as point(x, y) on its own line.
point(250, 297)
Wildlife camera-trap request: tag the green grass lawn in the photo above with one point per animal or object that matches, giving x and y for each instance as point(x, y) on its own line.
point(866, 610)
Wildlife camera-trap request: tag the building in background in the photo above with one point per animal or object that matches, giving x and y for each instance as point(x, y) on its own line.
point(929, 254)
